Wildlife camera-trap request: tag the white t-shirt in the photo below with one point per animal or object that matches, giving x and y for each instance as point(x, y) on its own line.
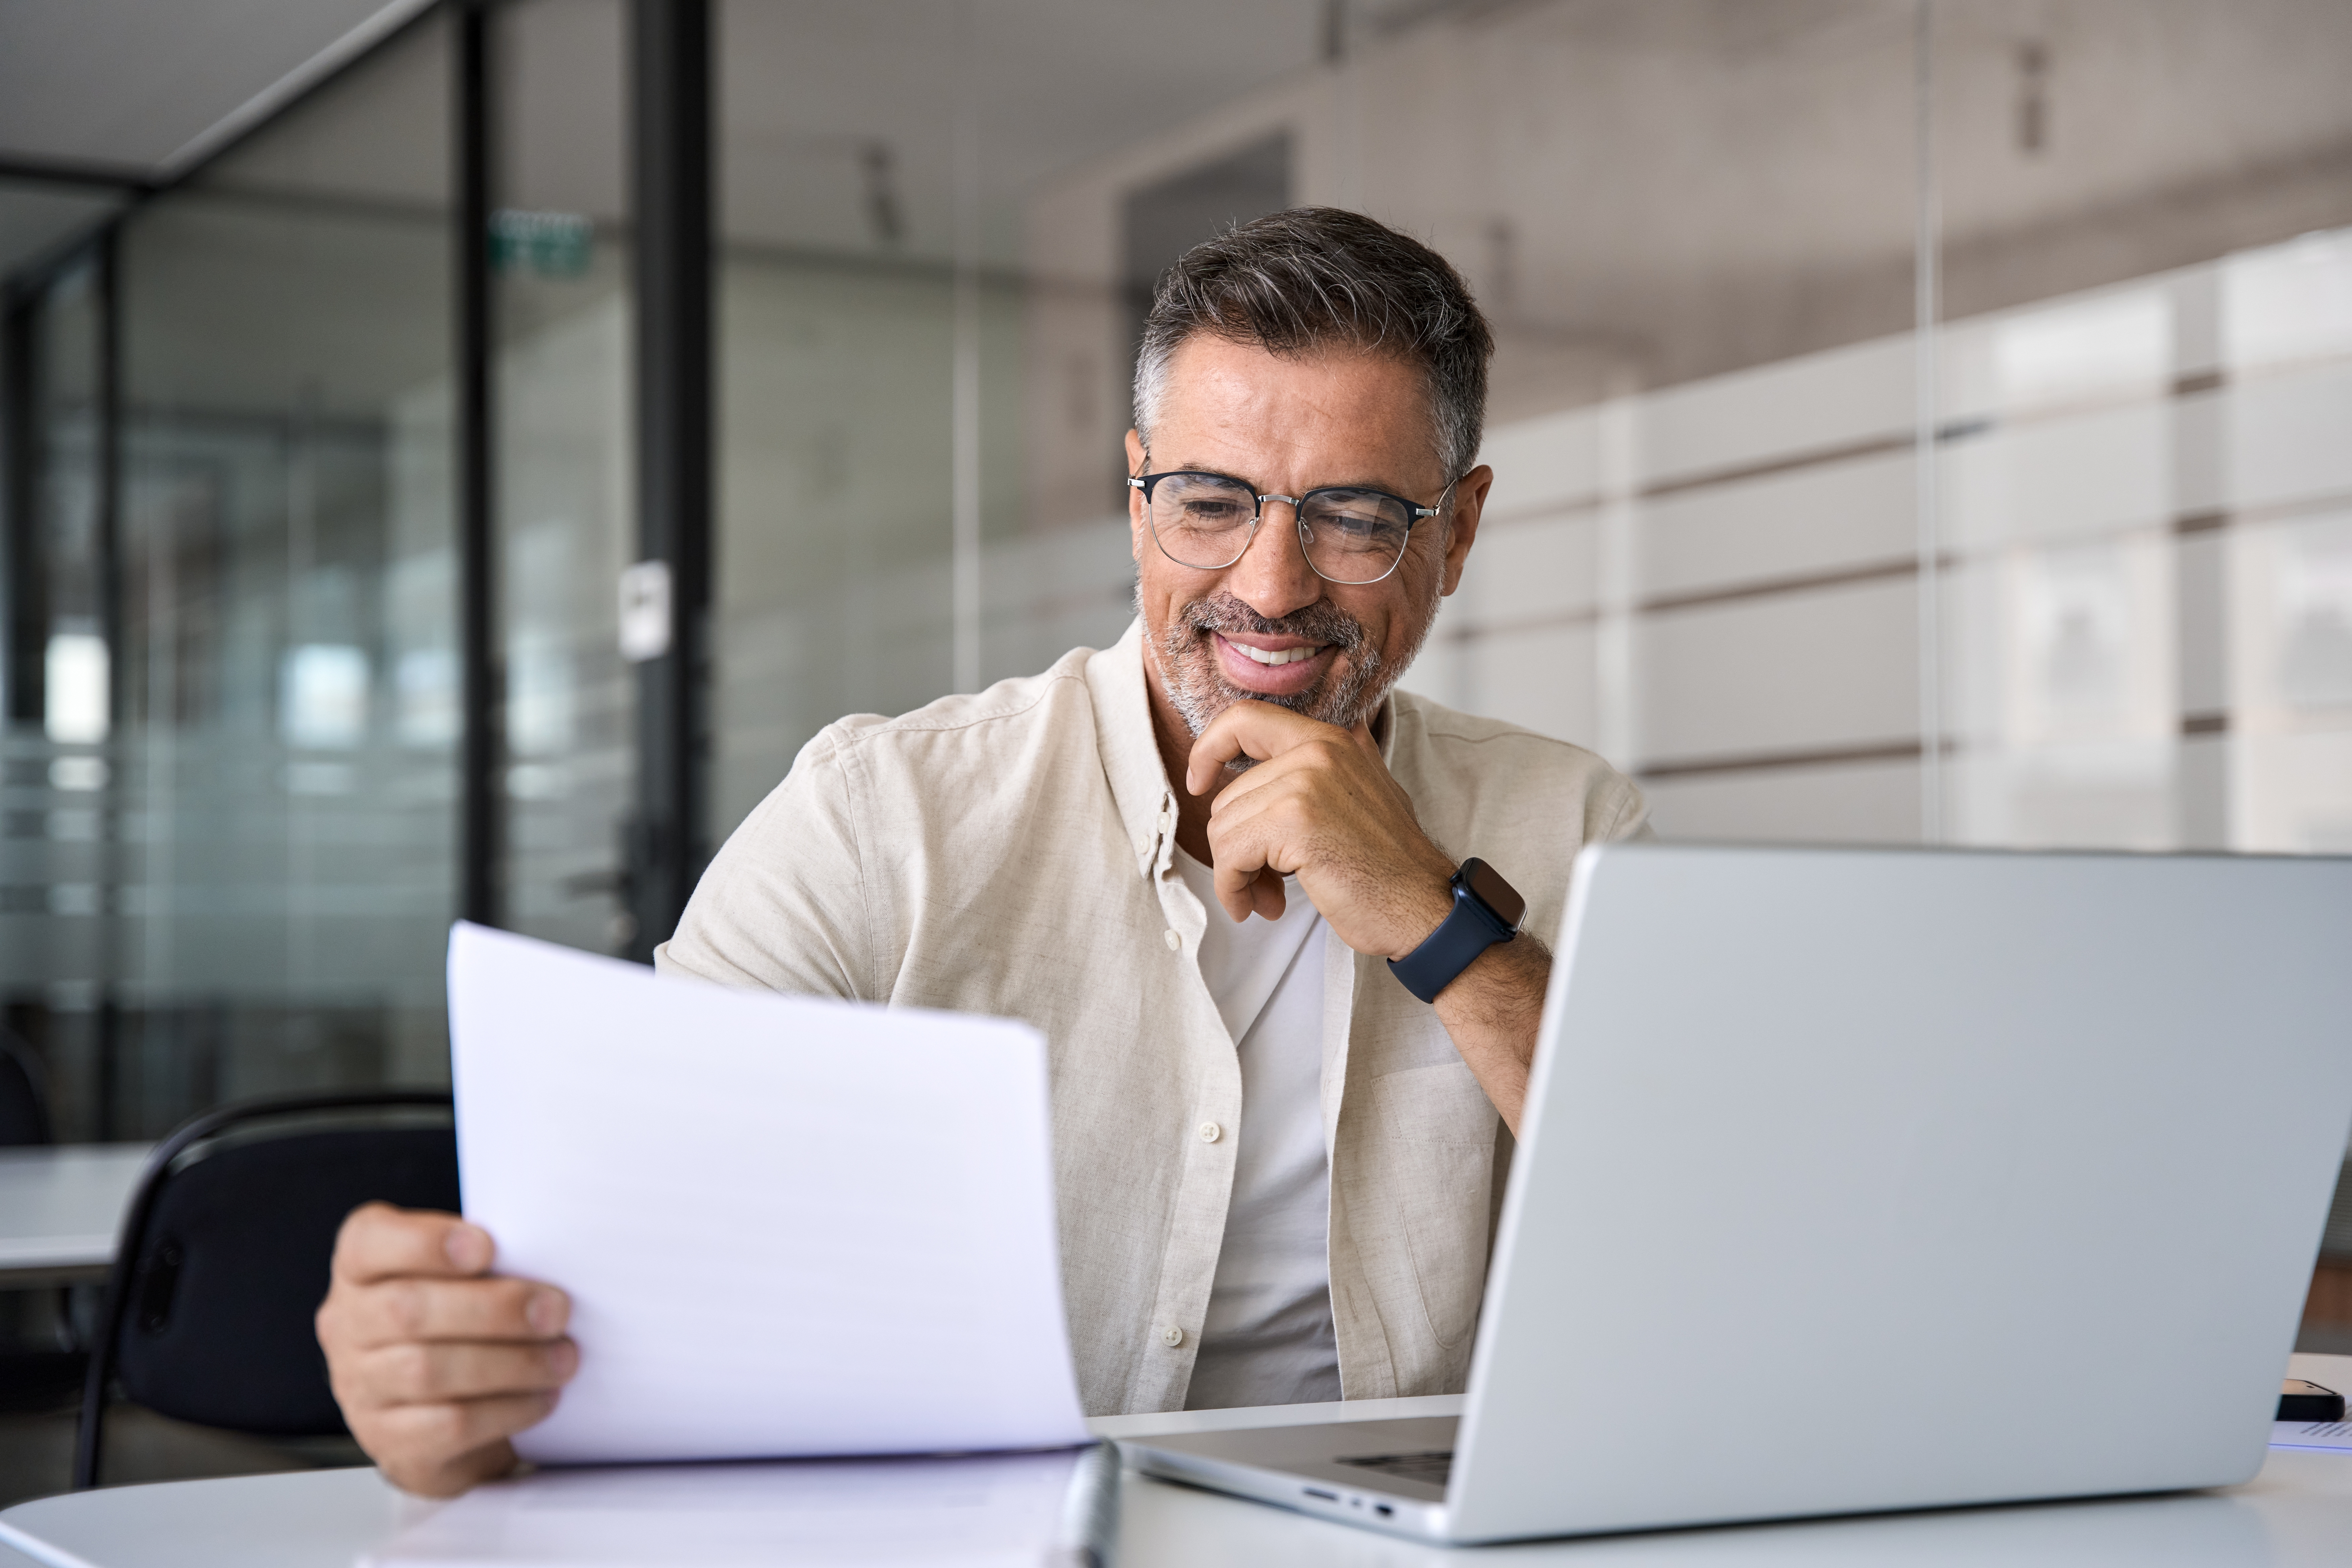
point(1268, 1338)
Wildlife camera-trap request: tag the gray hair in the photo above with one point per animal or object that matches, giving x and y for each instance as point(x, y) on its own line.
point(1315, 277)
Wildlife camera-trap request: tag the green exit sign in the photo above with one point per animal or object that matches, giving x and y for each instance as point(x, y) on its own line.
point(545, 244)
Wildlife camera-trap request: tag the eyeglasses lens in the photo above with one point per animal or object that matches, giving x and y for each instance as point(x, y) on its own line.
point(1353, 536)
point(1201, 521)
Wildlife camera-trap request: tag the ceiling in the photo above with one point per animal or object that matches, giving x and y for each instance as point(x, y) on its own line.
point(141, 89)
point(810, 90)
point(1735, 173)
point(139, 84)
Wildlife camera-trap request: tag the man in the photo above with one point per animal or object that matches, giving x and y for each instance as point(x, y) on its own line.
point(1190, 860)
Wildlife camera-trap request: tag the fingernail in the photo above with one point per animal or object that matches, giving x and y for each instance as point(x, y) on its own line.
point(469, 1247)
point(565, 1359)
point(543, 1311)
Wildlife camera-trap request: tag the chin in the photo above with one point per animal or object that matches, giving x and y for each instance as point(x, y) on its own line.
point(1199, 692)
point(1183, 657)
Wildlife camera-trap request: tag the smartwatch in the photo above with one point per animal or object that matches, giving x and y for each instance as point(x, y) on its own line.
point(1486, 910)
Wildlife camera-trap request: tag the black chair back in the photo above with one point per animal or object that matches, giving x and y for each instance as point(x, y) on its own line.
point(224, 1260)
point(33, 1380)
point(24, 1101)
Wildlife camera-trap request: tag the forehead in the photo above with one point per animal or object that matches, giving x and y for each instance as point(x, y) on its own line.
point(1345, 412)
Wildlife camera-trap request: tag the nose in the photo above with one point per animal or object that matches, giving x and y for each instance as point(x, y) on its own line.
point(1273, 577)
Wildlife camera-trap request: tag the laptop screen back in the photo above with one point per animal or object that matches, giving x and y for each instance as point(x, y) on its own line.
point(2054, 1134)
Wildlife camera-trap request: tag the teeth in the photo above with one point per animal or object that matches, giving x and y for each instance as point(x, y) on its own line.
point(1285, 656)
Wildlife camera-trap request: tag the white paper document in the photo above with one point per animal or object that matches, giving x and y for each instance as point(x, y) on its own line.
point(2332, 1436)
point(998, 1509)
point(788, 1226)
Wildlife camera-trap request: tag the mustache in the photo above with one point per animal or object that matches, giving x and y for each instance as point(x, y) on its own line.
point(1321, 622)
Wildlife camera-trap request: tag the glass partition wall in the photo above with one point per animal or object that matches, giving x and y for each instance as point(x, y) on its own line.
point(2146, 285)
point(1914, 420)
point(229, 830)
point(565, 516)
point(55, 752)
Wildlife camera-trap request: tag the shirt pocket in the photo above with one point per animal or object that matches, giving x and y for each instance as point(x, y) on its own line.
point(1440, 1130)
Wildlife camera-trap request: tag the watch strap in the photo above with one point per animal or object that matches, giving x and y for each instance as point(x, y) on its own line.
point(1469, 929)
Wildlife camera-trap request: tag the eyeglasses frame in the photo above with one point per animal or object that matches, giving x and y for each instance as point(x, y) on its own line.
point(1298, 504)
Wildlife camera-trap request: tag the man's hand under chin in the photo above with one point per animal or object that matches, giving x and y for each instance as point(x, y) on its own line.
point(1321, 806)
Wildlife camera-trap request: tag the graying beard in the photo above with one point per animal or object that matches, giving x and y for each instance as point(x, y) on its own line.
point(1359, 692)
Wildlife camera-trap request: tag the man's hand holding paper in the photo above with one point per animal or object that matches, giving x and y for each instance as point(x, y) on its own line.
point(782, 1227)
point(436, 1362)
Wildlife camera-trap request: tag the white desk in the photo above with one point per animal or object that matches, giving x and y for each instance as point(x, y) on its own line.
point(61, 1207)
point(2297, 1514)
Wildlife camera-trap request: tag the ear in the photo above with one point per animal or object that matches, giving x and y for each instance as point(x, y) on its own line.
point(1135, 526)
point(1462, 531)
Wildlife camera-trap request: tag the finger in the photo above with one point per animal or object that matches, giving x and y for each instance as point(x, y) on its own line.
point(1319, 758)
point(422, 1373)
point(1238, 787)
point(440, 1450)
point(380, 1242)
point(1247, 728)
point(451, 1478)
point(1246, 882)
point(396, 1311)
point(1247, 879)
point(1233, 895)
point(1267, 895)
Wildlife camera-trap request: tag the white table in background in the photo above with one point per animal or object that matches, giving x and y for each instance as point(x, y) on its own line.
point(2298, 1513)
point(61, 1207)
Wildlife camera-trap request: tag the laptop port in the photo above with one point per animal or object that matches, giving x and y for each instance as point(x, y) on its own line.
point(1327, 1496)
point(1382, 1509)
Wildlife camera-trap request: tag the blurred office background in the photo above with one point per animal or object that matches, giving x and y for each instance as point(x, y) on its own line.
point(1915, 420)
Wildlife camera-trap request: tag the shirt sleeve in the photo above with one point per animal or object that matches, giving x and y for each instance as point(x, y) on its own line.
point(1630, 819)
point(784, 903)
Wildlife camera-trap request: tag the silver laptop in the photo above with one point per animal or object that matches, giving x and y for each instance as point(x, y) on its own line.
point(1855, 1180)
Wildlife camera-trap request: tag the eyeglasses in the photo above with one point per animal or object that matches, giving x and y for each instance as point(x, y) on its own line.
point(1349, 534)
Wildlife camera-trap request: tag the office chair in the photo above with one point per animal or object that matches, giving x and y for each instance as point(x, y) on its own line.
point(33, 1380)
point(24, 1097)
point(225, 1253)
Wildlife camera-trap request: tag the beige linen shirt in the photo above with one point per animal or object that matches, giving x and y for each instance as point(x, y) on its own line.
point(1009, 853)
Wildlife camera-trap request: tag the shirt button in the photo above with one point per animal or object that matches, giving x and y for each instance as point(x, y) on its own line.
point(1211, 1132)
point(1143, 846)
point(1172, 1337)
point(1174, 942)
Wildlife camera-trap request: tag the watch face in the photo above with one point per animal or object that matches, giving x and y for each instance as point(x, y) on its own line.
point(1494, 892)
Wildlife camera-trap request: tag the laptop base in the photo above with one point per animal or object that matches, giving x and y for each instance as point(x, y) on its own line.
point(1387, 1476)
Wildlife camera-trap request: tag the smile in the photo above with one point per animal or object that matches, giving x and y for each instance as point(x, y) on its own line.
point(1276, 656)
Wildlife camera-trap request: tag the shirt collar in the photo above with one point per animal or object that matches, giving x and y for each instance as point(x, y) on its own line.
point(1131, 751)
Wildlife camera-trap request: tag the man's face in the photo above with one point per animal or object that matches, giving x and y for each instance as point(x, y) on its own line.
point(1286, 426)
